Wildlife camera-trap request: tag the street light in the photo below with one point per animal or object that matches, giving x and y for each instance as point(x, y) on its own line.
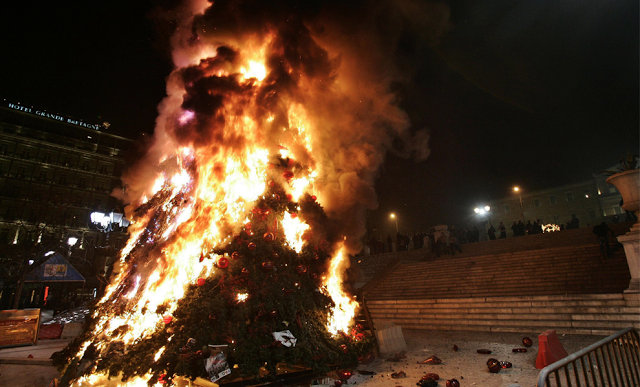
point(108, 222)
point(516, 189)
point(393, 216)
point(71, 241)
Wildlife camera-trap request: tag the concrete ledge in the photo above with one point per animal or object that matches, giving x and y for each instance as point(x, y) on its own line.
point(42, 362)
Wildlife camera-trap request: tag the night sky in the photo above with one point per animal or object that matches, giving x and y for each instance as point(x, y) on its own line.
point(534, 93)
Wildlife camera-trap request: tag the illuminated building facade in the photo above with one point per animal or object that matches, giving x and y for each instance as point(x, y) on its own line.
point(591, 202)
point(55, 171)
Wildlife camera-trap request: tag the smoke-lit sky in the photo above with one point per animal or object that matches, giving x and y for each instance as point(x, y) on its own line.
point(534, 93)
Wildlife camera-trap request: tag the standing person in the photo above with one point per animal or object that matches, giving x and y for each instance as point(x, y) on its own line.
point(492, 233)
point(520, 228)
point(514, 228)
point(503, 230)
point(574, 222)
point(476, 234)
point(603, 232)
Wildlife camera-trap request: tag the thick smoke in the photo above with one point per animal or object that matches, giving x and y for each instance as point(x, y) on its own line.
point(334, 60)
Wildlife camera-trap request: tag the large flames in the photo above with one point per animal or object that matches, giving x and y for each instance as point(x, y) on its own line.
point(264, 117)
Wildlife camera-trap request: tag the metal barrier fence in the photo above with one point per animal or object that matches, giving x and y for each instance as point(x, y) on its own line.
point(613, 361)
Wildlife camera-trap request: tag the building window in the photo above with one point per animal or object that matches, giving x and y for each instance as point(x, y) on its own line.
point(552, 199)
point(612, 189)
point(506, 208)
point(617, 209)
point(569, 196)
point(536, 202)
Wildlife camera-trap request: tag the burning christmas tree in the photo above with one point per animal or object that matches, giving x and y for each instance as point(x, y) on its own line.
point(246, 206)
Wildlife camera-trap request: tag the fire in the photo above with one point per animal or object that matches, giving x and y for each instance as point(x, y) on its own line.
point(255, 127)
point(345, 307)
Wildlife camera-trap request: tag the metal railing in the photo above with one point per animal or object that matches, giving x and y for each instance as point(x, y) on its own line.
point(613, 361)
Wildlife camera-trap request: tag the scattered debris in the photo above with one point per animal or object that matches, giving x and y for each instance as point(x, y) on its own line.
point(519, 350)
point(431, 376)
point(427, 383)
point(453, 383)
point(399, 375)
point(455, 348)
point(484, 351)
point(527, 342)
point(431, 360)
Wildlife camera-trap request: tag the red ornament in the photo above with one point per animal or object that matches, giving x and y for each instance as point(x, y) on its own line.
point(245, 271)
point(167, 319)
point(494, 366)
point(271, 183)
point(301, 269)
point(288, 175)
point(344, 374)
point(200, 281)
point(527, 342)
point(267, 266)
point(223, 262)
point(268, 236)
point(506, 364)
point(251, 246)
point(161, 379)
point(247, 225)
point(201, 257)
point(453, 383)
point(313, 198)
point(289, 197)
point(291, 163)
point(344, 348)
point(294, 215)
point(235, 255)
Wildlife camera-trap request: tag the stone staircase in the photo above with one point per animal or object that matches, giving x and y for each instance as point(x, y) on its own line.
point(525, 284)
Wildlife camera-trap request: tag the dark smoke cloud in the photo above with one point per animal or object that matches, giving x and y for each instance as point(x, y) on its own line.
point(336, 59)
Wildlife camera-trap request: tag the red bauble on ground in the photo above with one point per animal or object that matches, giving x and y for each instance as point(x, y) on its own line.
point(223, 262)
point(344, 374)
point(453, 383)
point(527, 342)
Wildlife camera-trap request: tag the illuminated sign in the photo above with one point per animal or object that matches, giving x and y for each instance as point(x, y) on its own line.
point(56, 117)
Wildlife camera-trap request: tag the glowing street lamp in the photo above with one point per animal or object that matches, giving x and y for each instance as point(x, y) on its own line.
point(108, 222)
point(516, 189)
point(393, 216)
